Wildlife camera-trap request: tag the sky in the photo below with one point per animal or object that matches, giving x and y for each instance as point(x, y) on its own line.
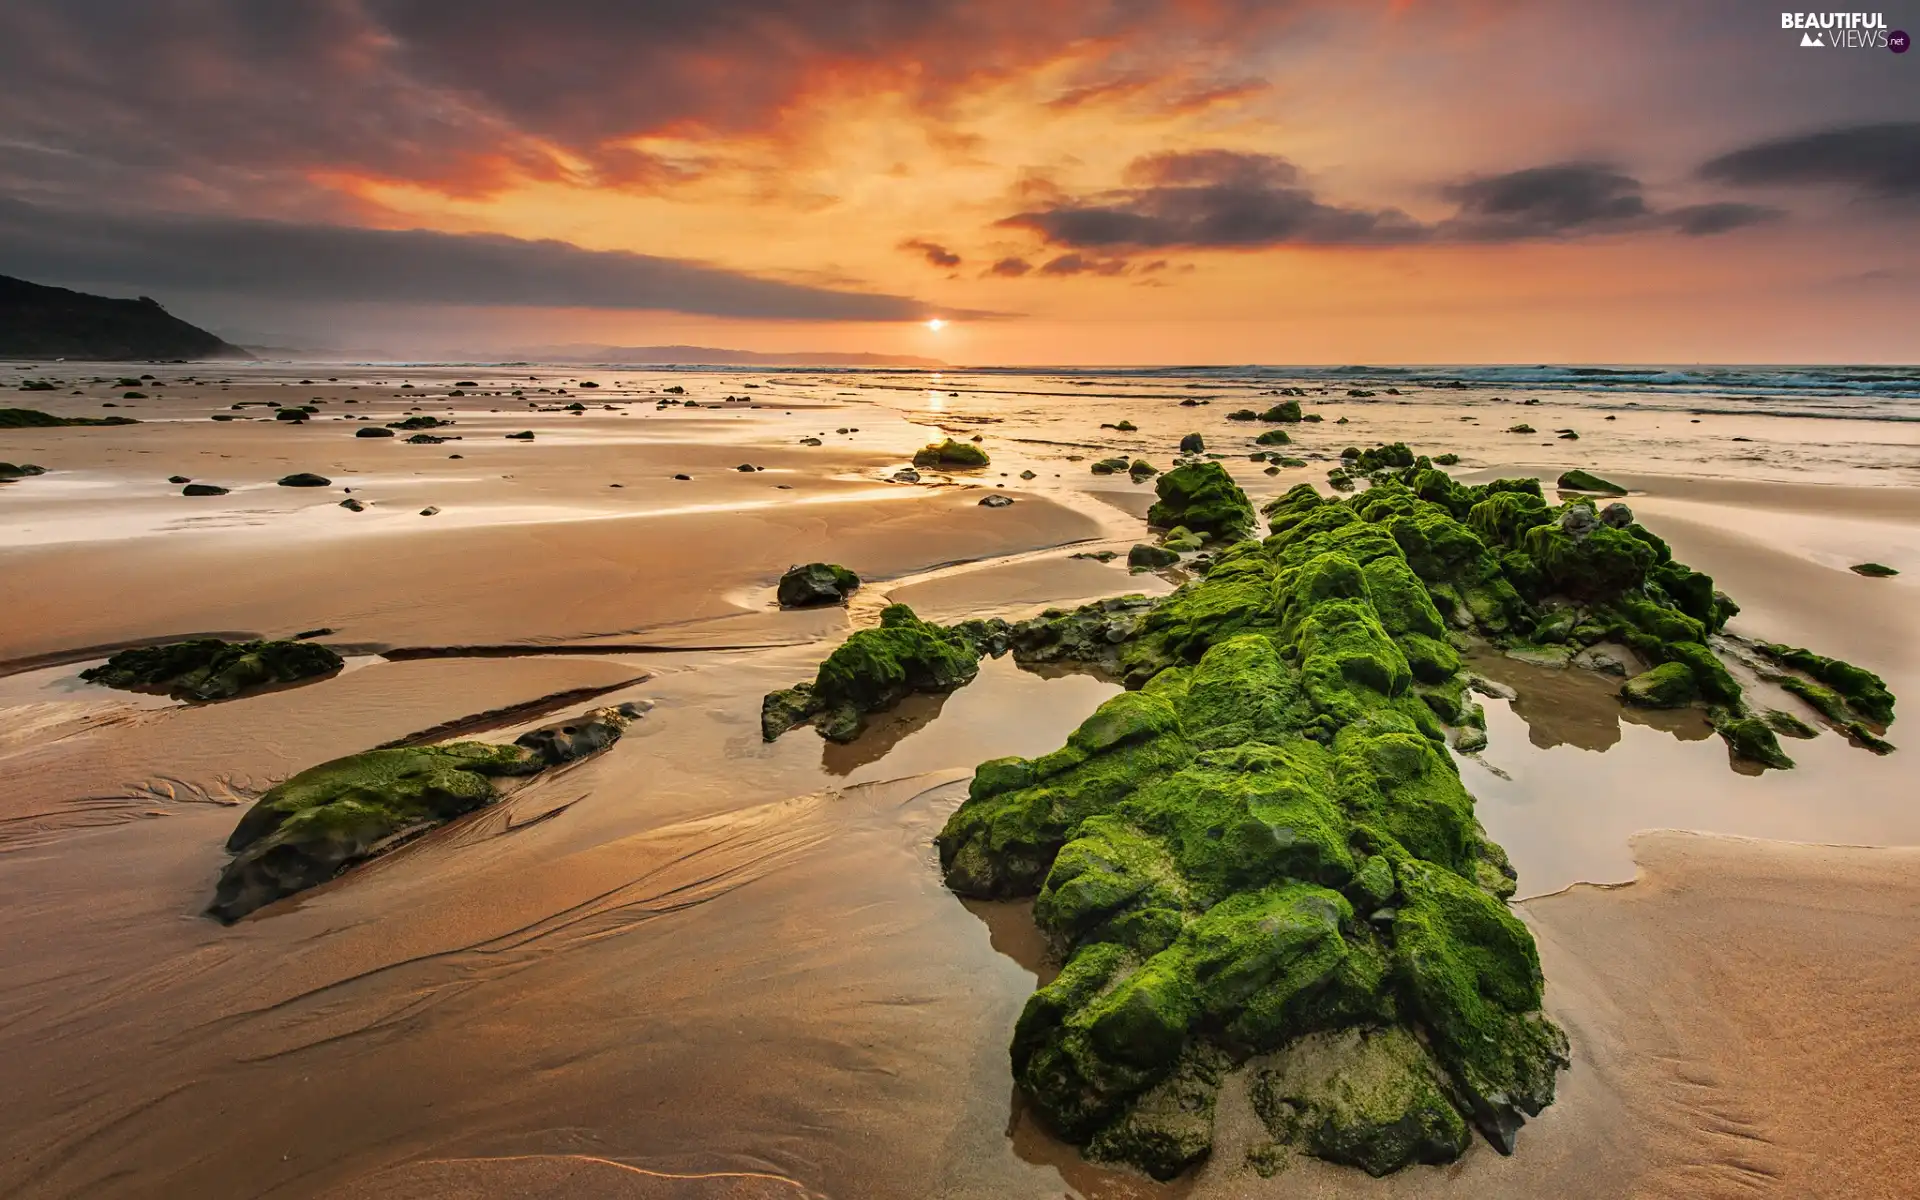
point(1052, 182)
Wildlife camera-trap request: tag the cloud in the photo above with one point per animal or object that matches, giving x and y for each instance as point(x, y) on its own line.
point(1880, 161)
point(1081, 264)
point(1010, 268)
point(342, 264)
point(933, 252)
point(1704, 220)
point(1213, 199)
point(1549, 201)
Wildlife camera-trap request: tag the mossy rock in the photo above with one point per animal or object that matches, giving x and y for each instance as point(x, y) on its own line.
point(1151, 558)
point(1205, 499)
point(816, 583)
point(1274, 437)
point(33, 418)
point(1193, 443)
point(328, 818)
point(206, 669)
point(1751, 739)
point(1669, 685)
point(1371, 1099)
point(1873, 570)
point(1862, 689)
point(1110, 466)
point(873, 670)
point(1585, 481)
point(951, 455)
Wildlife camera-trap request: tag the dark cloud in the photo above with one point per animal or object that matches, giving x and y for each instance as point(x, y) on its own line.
point(933, 252)
point(1230, 200)
point(1703, 220)
point(1881, 161)
point(1010, 268)
point(1209, 199)
point(341, 264)
point(1550, 201)
point(1081, 264)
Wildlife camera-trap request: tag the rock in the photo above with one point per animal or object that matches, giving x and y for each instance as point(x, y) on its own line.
point(525, 435)
point(1521, 428)
point(1751, 739)
point(178, 479)
point(206, 669)
point(420, 421)
point(1193, 443)
point(1182, 540)
point(373, 431)
point(296, 415)
point(996, 501)
point(810, 441)
point(1103, 556)
point(873, 670)
point(815, 583)
point(1863, 736)
point(203, 489)
point(1873, 570)
point(1286, 411)
point(1110, 466)
point(1151, 557)
point(1470, 740)
point(1578, 522)
point(1027, 475)
point(1368, 1100)
point(430, 511)
point(1788, 725)
point(1582, 481)
point(1669, 685)
point(951, 455)
point(1273, 437)
point(352, 505)
point(1205, 499)
point(1616, 516)
point(746, 468)
point(1142, 470)
point(332, 817)
point(305, 479)
point(1860, 689)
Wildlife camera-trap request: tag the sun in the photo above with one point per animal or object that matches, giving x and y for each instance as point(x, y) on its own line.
point(936, 324)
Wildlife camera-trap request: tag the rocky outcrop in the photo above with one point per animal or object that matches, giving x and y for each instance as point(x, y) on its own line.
point(1205, 499)
point(1584, 481)
point(40, 322)
point(332, 817)
point(875, 669)
point(207, 669)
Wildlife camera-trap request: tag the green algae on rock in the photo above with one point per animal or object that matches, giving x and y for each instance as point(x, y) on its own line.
point(1205, 499)
point(211, 669)
point(333, 816)
point(1873, 570)
point(1264, 847)
point(961, 455)
point(1583, 481)
point(875, 669)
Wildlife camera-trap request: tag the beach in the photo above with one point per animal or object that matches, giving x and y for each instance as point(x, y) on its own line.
point(704, 965)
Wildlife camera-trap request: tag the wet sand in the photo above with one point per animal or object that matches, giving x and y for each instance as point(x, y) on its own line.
point(703, 966)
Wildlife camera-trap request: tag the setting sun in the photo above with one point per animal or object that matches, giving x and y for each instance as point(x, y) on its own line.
point(936, 324)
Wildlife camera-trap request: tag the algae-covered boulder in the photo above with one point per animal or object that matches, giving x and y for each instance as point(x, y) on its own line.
point(1585, 481)
point(1193, 443)
point(210, 669)
point(1669, 685)
point(1862, 689)
point(1873, 570)
point(873, 670)
point(816, 583)
point(950, 455)
point(1205, 499)
point(1274, 437)
point(328, 818)
point(1152, 557)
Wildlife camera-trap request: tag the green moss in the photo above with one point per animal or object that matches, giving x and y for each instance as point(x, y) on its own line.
point(873, 670)
point(1604, 563)
point(1787, 725)
point(1862, 689)
point(1829, 703)
point(1205, 499)
point(1669, 685)
point(1583, 481)
point(1369, 1099)
point(951, 454)
point(209, 669)
point(1751, 739)
point(1868, 738)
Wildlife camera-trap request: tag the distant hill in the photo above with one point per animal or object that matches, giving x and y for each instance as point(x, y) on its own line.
point(712, 356)
point(39, 322)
